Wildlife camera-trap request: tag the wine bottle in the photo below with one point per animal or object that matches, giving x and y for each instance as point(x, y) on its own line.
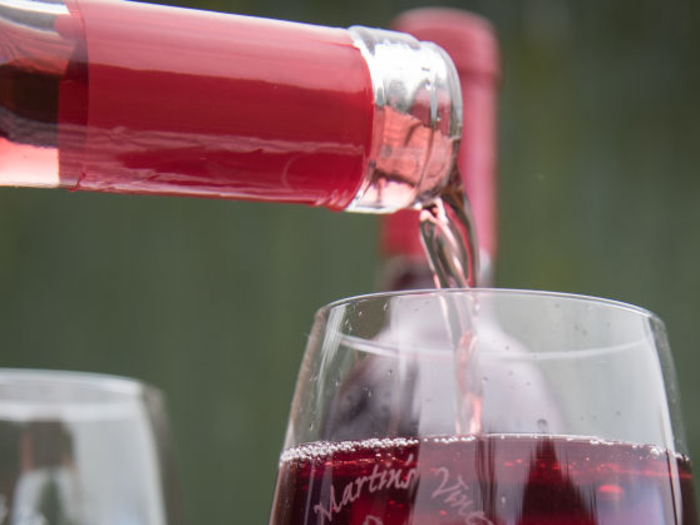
point(129, 97)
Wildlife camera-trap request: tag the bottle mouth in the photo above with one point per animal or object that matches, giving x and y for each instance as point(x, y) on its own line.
point(417, 122)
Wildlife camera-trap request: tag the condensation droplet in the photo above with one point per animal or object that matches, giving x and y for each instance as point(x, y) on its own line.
point(542, 425)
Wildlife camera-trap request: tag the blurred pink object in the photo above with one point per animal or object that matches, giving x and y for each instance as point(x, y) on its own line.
point(472, 44)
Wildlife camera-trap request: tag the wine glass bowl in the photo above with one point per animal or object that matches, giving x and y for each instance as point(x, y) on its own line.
point(83, 449)
point(485, 407)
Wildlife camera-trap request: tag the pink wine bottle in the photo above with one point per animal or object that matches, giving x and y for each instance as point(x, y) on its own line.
point(471, 43)
point(127, 97)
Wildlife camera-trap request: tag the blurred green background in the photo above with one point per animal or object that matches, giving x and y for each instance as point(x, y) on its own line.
point(211, 301)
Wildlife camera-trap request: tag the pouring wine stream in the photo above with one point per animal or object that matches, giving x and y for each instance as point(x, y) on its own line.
point(449, 239)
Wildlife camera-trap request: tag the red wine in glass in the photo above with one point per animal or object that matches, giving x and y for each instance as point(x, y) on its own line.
point(495, 479)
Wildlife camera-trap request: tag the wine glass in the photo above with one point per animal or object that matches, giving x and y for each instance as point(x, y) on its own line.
point(83, 449)
point(485, 407)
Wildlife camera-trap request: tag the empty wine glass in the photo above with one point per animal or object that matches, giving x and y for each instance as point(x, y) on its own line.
point(485, 407)
point(83, 449)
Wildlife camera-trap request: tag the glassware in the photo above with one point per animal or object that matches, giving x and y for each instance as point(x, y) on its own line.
point(129, 97)
point(485, 407)
point(83, 449)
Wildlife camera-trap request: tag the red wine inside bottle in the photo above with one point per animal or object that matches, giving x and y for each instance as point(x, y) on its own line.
point(493, 479)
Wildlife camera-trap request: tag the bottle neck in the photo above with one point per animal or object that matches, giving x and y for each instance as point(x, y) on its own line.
point(417, 123)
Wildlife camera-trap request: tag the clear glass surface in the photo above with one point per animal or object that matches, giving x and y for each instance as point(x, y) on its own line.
point(485, 406)
point(83, 449)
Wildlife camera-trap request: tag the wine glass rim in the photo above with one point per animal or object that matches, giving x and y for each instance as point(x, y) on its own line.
point(81, 395)
point(433, 292)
